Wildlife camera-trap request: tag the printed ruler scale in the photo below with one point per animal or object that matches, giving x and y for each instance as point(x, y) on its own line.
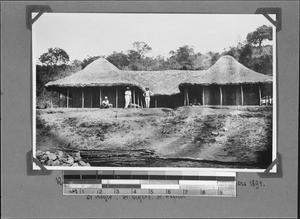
point(149, 183)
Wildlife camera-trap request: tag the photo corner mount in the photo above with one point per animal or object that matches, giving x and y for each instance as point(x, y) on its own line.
point(278, 173)
point(266, 11)
point(40, 9)
point(32, 160)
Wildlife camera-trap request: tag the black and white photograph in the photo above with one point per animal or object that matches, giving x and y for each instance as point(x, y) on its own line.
point(156, 91)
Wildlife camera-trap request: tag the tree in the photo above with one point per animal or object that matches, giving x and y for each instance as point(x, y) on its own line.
point(159, 63)
point(185, 56)
point(214, 57)
point(198, 62)
point(246, 55)
point(172, 63)
point(76, 63)
point(118, 59)
point(54, 56)
point(263, 64)
point(259, 35)
point(136, 56)
point(141, 48)
point(233, 51)
point(133, 58)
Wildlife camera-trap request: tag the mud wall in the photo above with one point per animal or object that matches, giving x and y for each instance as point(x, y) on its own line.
point(140, 99)
point(96, 95)
point(212, 95)
point(88, 97)
point(195, 94)
point(92, 96)
point(161, 101)
point(251, 94)
point(177, 100)
point(75, 97)
point(231, 95)
point(167, 101)
point(137, 98)
point(121, 96)
point(238, 95)
point(266, 89)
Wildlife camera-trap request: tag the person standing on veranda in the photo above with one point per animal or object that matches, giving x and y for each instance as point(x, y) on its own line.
point(147, 96)
point(127, 97)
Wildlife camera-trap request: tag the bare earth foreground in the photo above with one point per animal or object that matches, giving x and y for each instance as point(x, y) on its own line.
point(209, 137)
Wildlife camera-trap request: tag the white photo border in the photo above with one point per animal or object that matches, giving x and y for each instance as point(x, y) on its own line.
point(175, 169)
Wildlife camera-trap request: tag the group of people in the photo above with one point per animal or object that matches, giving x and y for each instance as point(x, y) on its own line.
point(128, 96)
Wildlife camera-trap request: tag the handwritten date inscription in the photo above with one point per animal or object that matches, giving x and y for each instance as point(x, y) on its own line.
point(257, 184)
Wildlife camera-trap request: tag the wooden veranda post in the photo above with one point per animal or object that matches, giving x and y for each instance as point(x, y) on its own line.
point(184, 97)
point(138, 99)
point(51, 100)
point(117, 95)
point(187, 97)
point(58, 99)
point(91, 97)
point(259, 91)
point(221, 96)
point(155, 103)
point(242, 94)
point(82, 98)
point(67, 98)
point(133, 96)
point(203, 97)
point(100, 98)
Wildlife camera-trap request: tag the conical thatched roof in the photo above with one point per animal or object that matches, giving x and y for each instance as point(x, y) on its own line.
point(99, 73)
point(227, 71)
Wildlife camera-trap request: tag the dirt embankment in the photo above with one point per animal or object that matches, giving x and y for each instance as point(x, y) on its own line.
point(222, 137)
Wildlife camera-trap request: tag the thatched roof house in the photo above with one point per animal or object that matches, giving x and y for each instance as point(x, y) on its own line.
point(88, 87)
point(227, 82)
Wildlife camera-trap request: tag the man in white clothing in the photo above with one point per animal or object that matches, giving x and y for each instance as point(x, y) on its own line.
point(147, 96)
point(127, 97)
point(105, 103)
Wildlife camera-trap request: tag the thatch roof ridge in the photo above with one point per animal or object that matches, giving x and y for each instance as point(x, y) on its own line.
point(163, 82)
point(228, 71)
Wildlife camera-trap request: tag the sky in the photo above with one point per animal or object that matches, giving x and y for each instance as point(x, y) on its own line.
point(91, 34)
